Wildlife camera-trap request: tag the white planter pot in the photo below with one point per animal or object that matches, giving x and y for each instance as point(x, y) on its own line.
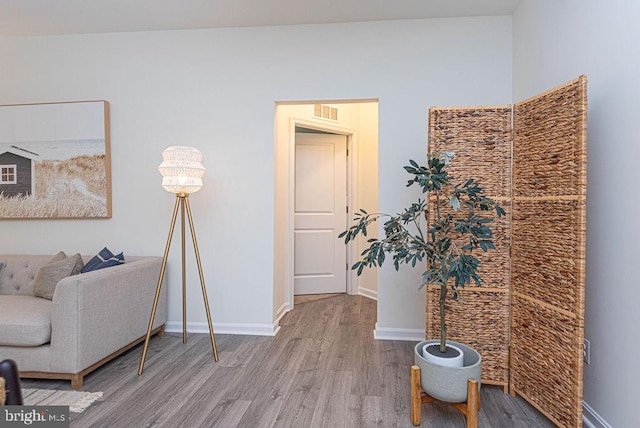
point(448, 384)
point(450, 359)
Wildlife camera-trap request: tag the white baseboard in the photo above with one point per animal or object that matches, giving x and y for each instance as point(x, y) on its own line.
point(282, 310)
point(365, 292)
point(390, 333)
point(225, 328)
point(591, 419)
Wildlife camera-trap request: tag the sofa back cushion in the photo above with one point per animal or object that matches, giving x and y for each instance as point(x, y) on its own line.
point(16, 277)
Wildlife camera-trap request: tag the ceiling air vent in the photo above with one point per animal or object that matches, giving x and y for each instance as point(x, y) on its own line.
point(325, 112)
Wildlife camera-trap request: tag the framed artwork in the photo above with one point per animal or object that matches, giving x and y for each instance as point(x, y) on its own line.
point(54, 160)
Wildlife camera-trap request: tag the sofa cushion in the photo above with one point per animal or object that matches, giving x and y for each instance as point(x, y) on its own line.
point(48, 276)
point(18, 274)
point(104, 259)
point(24, 321)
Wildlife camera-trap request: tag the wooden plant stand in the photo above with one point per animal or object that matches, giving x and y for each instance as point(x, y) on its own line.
point(419, 397)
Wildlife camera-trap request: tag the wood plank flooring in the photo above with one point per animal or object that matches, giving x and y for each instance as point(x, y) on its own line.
point(323, 369)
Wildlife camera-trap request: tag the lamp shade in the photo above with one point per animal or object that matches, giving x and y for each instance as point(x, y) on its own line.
point(181, 169)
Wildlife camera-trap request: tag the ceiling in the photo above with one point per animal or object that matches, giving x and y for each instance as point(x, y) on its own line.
point(47, 17)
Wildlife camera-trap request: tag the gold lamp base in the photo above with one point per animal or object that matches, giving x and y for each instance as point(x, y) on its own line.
point(182, 201)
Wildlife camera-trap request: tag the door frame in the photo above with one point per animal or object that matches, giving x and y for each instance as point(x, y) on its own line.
point(352, 196)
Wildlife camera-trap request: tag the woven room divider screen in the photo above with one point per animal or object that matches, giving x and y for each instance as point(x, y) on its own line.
point(548, 257)
point(534, 291)
point(481, 138)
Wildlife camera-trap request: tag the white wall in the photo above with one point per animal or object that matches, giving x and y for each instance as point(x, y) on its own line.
point(215, 90)
point(553, 42)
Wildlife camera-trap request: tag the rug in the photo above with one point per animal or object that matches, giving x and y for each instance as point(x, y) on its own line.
point(78, 401)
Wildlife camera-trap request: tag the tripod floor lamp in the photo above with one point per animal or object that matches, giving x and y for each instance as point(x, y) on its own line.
point(182, 173)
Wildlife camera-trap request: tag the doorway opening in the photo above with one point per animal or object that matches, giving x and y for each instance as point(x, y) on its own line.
point(317, 187)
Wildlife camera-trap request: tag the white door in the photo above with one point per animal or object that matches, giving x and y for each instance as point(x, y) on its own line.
point(320, 214)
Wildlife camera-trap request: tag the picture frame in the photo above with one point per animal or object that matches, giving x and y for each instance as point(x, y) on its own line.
point(55, 160)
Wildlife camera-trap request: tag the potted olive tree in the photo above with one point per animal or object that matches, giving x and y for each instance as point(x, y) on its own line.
point(440, 230)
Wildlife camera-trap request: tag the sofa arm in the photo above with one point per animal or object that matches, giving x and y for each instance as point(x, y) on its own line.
point(94, 314)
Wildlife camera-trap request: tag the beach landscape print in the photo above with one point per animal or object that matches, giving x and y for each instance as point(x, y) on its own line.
point(54, 160)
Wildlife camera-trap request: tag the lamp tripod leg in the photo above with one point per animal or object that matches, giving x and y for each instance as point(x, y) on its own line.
point(184, 271)
point(204, 290)
point(158, 287)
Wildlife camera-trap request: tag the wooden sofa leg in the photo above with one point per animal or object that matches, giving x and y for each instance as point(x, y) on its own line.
point(416, 400)
point(76, 381)
point(161, 331)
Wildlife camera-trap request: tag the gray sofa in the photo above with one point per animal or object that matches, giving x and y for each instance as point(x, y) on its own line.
point(93, 317)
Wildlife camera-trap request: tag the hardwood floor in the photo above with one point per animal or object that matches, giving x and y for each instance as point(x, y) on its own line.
point(323, 369)
point(304, 298)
